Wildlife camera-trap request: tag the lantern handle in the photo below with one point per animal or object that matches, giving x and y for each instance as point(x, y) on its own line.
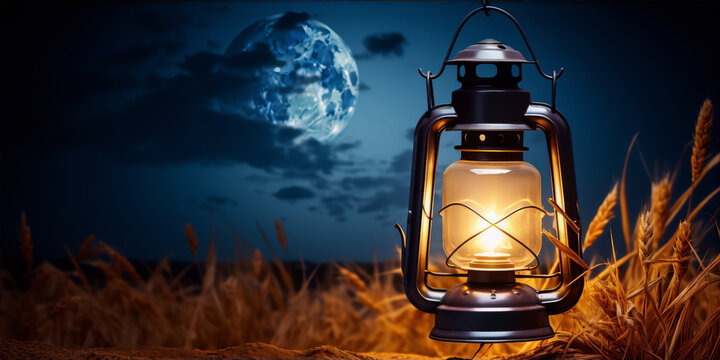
point(429, 76)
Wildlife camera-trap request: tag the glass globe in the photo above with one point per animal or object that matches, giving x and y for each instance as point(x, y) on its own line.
point(494, 189)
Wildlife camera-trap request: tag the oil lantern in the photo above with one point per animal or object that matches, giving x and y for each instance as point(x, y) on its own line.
point(491, 208)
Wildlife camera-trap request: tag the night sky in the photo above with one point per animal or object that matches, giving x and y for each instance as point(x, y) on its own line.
point(107, 128)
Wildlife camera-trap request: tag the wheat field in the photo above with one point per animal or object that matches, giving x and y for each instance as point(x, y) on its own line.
point(659, 301)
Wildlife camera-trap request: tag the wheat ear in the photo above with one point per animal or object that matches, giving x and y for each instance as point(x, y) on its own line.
point(86, 249)
point(681, 251)
point(353, 279)
point(192, 238)
point(660, 200)
point(681, 259)
point(280, 231)
point(701, 139)
point(645, 244)
point(603, 215)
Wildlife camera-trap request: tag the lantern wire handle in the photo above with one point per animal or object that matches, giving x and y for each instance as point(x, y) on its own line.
point(557, 211)
point(429, 88)
point(494, 224)
point(429, 76)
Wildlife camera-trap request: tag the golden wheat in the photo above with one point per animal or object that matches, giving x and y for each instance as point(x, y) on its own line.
point(280, 232)
point(660, 200)
point(370, 303)
point(680, 261)
point(353, 279)
point(644, 237)
point(701, 139)
point(681, 251)
point(602, 217)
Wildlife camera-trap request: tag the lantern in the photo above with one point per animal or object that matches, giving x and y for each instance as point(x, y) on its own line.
point(491, 209)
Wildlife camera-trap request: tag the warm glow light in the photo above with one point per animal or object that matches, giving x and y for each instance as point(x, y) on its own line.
point(494, 189)
point(491, 239)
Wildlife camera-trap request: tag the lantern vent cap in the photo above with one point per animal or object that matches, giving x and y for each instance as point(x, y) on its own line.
point(489, 51)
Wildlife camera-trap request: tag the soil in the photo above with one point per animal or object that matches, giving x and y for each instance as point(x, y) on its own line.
point(14, 349)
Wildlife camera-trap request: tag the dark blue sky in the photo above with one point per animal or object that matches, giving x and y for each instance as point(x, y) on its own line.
point(106, 128)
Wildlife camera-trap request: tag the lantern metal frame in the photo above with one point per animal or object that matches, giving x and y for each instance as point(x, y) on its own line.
point(416, 246)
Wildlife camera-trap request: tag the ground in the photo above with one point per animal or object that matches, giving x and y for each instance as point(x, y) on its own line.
point(37, 350)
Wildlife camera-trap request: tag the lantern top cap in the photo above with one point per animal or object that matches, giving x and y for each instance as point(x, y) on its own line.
point(488, 51)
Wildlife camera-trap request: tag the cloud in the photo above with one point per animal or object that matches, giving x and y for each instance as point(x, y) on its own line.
point(338, 205)
point(390, 192)
point(290, 20)
point(402, 162)
point(212, 203)
point(205, 62)
point(220, 200)
point(168, 22)
point(381, 194)
point(410, 134)
point(292, 193)
point(162, 116)
point(367, 182)
point(396, 197)
point(175, 124)
point(259, 55)
point(171, 120)
point(385, 44)
point(142, 54)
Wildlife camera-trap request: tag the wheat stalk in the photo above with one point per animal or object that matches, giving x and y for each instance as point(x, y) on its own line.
point(603, 215)
point(645, 247)
point(26, 246)
point(701, 139)
point(660, 200)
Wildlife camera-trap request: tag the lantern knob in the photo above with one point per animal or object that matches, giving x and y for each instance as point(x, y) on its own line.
point(488, 51)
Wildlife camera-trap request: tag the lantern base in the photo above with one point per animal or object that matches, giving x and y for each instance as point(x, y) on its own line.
point(491, 312)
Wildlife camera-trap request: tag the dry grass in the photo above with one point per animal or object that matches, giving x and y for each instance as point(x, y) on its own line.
point(659, 301)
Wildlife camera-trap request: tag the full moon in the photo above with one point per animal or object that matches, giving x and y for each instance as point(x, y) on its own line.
point(314, 86)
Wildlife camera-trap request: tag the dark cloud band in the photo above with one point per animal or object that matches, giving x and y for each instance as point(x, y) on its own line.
point(386, 44)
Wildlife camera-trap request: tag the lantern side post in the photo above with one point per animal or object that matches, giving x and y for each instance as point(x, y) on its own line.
point(422, 190)
point(562, 168)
